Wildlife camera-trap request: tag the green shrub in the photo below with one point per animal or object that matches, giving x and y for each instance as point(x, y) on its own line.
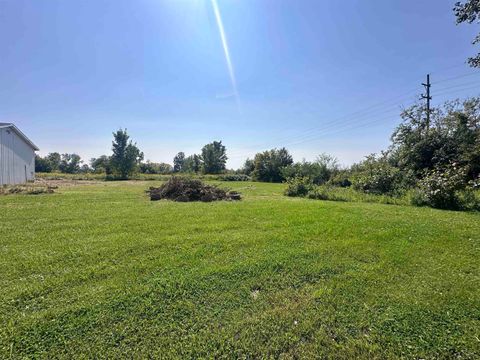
point(333, 193)
point(268, 165)
point(341, 179)
point(298, 186)
point(326, 193)
point(469, 199)
point(302, 187)
point(440, 188)
point(319, 171)
point(234, 177)
point(475, 184)
point(376, 176)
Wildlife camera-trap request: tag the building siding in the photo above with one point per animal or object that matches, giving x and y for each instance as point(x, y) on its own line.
point(17, 159)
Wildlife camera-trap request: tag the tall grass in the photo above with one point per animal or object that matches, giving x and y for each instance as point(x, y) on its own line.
point(333, 193)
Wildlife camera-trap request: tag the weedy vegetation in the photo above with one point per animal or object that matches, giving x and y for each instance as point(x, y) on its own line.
point(27, 189)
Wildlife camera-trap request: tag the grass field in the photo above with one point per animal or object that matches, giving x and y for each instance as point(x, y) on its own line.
point(100, 271)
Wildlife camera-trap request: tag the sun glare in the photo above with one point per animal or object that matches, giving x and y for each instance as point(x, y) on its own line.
point(221, 29)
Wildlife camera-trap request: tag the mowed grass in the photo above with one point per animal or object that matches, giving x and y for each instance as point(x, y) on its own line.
point(99, 271)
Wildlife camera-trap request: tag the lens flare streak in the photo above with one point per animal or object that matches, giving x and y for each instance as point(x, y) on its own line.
point(226, 51)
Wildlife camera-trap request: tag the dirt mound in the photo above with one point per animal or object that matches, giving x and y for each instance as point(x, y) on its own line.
point(186, 189)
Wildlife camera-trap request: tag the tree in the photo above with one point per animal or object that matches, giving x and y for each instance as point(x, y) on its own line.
point(126, 155)
point(248, 167)
point(54, 159)
point(197, 163)
point(192, 164)
point(214, 158)
point(164, 168)
point(453, 137)
point(70, 163)
point(149, 167)
point(85, 169)
point(178, 162)
point(469, 12)
point(101, 164)
point(376, 175)
point(319, 172)
point(42, 164)
point(269, 165)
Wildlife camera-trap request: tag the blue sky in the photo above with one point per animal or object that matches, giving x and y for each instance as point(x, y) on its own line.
point(314, 76)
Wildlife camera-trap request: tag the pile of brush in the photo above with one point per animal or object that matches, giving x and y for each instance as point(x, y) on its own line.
point(186, 189)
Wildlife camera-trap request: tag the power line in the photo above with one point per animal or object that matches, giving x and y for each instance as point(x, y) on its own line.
point(457, 90)
point(356, 122)
point(456, 77)
point(460, 85)
point(377, 113)
point(428, 94)
point(352, 122)
point(449, 68)
point(366, 111)
point(369, 111)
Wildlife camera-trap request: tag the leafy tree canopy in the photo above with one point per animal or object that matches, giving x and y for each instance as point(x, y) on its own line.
point(126, 155)
point(155, 168)
point(178, 162)
point(192, 164)
point(453, 137)
point(319, 171)
point(269, 165)
point(70, 163)
point(214, 158)
point(101, 164)
point(469, 12)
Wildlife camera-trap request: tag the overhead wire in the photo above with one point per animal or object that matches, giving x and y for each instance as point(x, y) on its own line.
point(354, 120)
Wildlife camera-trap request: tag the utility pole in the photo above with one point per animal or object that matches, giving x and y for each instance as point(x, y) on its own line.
point(428, 97)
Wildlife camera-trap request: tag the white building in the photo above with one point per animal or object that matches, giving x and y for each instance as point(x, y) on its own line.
point(17, 156)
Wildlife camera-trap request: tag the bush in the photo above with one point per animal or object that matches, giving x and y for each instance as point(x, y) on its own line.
point(319, 171)
point(440, 188)
point(475, 184)
point(332, 193)
point(469, 199)
point(268, 165)
point(298, 186)
point(155, 168)
point(340, 179)
point(302, 187)
point(234, 177)
point(186, 189)
point(327, 193)
point(376, 176)
point(111, 177)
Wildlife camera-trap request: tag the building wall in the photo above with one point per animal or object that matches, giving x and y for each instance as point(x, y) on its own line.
point(17, 159)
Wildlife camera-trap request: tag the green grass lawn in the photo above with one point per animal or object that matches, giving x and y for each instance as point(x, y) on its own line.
point(100, 271)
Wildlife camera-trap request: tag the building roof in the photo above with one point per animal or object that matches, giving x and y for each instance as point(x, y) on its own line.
point(20, 134)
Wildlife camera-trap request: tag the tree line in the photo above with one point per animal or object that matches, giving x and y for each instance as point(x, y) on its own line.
point(436, 158)
point(127, 159)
